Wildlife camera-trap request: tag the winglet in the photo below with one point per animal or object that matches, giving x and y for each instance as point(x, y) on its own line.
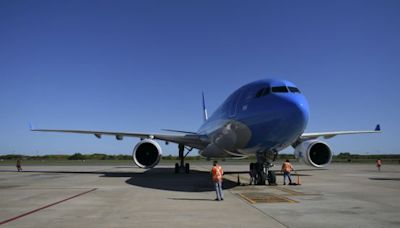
point(31, 127)
point(205, 115)
point(378, 127)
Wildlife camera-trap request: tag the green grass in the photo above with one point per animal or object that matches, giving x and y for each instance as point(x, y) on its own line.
point(69, 162)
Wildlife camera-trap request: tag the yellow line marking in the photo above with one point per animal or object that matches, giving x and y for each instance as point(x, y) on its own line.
point(286, 199)
point(292, 192)
point(265, 199)
point(247, 199)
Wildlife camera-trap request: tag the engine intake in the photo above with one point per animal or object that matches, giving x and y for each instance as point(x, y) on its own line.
point(314, 153)
point(147, 154)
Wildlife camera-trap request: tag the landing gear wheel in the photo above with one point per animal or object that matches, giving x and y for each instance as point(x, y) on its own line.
point(261, 178)
point(260, 175)
point(187, 168)
point(251, 166)
point(177, 168)
point(181, 165)
point(253, 176)
point(271, 178)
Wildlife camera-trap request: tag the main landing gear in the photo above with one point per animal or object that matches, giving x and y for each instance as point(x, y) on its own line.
point(181, 166)
point(260, 170)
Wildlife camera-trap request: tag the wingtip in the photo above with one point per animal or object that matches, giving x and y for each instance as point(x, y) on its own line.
point(31, 126)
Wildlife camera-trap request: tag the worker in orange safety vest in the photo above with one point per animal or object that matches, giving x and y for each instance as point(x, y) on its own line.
point(287, 168)
point(217, 173)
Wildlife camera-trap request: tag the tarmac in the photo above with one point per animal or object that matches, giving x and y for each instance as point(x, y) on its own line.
point(342, 195)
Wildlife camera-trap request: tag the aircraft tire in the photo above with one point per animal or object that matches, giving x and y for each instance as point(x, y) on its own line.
point(251, 166)
point(271, 177)
point(177, 168)
point(261, 178)
point(187, 168)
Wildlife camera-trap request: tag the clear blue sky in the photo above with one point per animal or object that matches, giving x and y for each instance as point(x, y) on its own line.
point(141, 66)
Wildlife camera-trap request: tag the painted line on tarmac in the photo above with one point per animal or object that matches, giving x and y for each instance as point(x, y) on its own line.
point(247, 198)
point(44, 207)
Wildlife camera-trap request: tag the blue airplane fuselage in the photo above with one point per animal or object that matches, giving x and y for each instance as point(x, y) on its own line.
point(263, 116)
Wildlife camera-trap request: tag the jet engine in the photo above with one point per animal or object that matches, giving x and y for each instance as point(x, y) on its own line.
point(314, 153)
point(147, 153)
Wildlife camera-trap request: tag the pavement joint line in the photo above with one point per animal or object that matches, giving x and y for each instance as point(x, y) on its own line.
point(44, 207)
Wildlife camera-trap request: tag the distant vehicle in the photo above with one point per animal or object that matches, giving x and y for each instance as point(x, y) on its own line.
point(260, 118)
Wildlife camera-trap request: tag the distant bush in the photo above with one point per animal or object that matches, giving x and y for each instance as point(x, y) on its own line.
point(77, 156)
point(11, 157)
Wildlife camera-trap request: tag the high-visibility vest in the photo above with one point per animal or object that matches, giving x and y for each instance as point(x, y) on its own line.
point(287, 167)
point(217, 173)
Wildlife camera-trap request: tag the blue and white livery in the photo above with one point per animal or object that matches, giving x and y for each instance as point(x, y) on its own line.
point(260, 118)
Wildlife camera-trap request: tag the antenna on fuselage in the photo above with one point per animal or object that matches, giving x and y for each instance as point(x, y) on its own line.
point(205, 115)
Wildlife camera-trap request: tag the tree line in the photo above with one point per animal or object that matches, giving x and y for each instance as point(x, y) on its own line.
point(99, 156)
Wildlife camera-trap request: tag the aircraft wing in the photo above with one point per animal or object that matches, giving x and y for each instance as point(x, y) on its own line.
point(191, 139)
point(327, 135)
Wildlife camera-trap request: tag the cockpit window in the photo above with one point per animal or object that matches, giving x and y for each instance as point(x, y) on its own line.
point(294, 89)
point(280, 89)
point(263, 92)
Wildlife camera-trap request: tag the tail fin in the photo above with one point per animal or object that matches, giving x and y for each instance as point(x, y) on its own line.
point(205, 115)
point(378, 127)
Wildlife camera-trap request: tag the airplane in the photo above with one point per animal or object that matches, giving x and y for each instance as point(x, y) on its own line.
point(260, 118)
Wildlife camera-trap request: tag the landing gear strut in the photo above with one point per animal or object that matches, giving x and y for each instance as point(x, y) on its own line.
point(181, 165)
point(260, 170)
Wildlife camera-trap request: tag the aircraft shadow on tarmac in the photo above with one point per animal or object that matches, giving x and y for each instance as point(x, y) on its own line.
point(156, 178)
point(165, 179)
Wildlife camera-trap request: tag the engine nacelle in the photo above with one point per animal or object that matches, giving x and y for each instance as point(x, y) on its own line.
point(147, 153)
point(314, 153)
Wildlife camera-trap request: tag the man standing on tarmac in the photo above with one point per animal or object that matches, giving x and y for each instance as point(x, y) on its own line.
point(217, 173)
point(18, 165)
point(379, 164)
point(287, 168)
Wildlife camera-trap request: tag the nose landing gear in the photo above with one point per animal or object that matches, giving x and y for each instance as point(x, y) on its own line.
point(261, 172)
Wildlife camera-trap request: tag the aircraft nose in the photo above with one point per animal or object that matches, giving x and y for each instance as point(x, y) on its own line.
point(298, 109)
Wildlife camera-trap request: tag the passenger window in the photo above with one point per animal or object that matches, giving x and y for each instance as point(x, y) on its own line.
point(294, 90)
point(279, 89)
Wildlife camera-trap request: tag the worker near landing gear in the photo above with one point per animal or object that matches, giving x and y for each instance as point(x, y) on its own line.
point(217, 173)
point(287, 168)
